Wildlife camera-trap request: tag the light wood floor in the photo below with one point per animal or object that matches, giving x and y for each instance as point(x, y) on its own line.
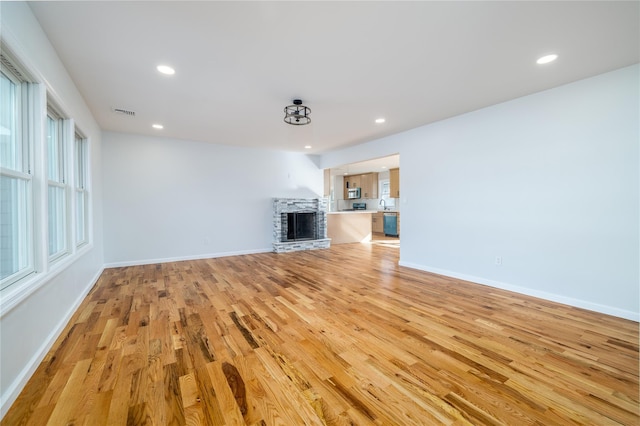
point(338, 337)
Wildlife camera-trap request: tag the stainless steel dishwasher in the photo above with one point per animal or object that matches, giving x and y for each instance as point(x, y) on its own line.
point(391, 224)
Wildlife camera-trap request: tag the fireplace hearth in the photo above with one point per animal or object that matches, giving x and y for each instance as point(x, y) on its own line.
point(299, 224)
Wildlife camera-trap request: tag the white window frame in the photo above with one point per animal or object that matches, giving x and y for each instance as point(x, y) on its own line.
point(81, 186)
point(25, 111)
point(36, 97)
point(61, 182)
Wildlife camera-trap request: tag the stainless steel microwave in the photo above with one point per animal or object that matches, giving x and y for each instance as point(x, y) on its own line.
point(353, 193)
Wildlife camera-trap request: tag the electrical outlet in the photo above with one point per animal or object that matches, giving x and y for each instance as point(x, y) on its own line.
point(207, 241)
point(498, 260)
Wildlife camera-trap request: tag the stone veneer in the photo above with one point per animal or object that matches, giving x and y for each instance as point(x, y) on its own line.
point(291, 205)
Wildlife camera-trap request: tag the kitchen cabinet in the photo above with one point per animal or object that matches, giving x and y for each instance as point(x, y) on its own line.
point(367, 182)
point(377, 223)
point(351, 181)
point(365, 186)
point(369, 185)
point(394, 183)
point(354, 181)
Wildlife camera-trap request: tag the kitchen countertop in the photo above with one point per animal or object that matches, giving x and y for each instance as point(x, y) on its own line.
point(364, 211)
point(353, 211)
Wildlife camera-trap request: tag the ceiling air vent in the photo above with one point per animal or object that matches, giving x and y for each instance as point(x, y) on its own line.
point(123, 111)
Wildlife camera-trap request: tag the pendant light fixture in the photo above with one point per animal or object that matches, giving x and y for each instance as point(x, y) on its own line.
point(297, 114)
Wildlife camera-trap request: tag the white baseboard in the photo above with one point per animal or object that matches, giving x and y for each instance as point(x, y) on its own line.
point(13, 391)
point(578, 303)
point(181, 258)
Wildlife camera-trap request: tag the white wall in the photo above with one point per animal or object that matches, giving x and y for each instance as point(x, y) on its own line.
point(31, 320)
point(549, 182)
point(167, 199)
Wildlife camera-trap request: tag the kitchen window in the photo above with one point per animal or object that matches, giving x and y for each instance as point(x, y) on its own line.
point(385, 191)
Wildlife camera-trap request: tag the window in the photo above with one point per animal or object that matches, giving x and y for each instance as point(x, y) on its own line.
point(44, 182)
point(385, 191)
point(16, 214)
point(57, 186)
point(81, 189)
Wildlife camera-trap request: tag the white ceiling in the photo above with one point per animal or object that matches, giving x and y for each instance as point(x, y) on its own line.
point(238, 64)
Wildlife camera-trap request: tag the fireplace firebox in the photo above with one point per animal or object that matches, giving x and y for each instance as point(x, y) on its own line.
point(300, 226)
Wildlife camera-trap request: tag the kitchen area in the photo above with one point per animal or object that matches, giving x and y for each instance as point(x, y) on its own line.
point(364, 202)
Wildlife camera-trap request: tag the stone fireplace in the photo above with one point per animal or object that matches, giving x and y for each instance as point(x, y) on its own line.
point(299, 224)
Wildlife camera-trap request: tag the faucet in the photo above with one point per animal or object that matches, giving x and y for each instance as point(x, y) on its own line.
point(384, 204)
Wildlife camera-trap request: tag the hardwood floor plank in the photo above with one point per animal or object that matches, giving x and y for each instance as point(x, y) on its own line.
point(173, 401)
point(232, 397)
point(342, 336)
point(66, 409)
point(56, 386)
point(119, 407)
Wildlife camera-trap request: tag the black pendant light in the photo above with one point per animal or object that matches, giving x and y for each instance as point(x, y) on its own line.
point(297, 114)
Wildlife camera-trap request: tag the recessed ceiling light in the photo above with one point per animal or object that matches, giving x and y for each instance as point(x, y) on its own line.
point(384, 167)
point(380, 120)
point(157, 126)
point(307, 147)
point(546, 59)
point(165, 69)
